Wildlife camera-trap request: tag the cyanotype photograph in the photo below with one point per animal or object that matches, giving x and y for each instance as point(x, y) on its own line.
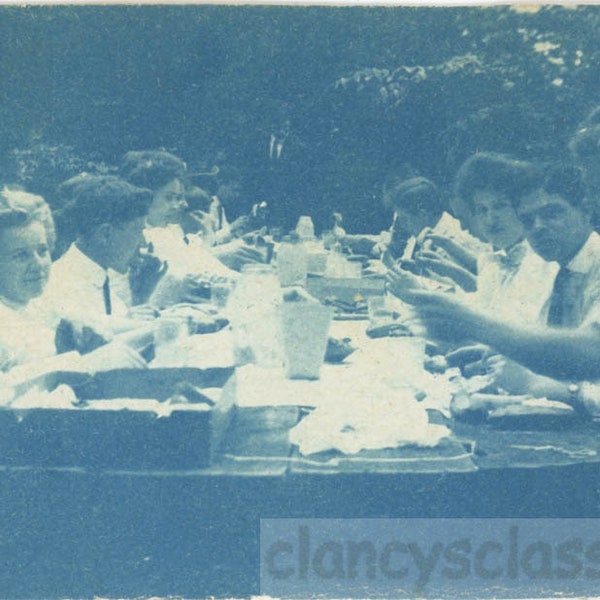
point(299, 301)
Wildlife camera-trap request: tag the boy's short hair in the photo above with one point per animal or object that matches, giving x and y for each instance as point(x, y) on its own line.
point(152, 169)
point(413, 195)
point(564, 180)
point(495, 172)
point(105, 199)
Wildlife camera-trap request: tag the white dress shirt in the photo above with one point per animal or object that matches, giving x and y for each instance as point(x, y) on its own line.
point(75, 291)
point(587, 263)
point(515, 284)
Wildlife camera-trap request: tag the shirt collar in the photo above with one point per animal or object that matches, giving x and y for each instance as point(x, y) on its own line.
point(588, 256)
point(85, 267)
point(512, 256)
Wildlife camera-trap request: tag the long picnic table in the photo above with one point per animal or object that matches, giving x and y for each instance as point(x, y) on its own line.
point(79, 531)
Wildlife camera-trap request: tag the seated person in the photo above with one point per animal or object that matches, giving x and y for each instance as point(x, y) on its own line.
point(436, 246)
point(27, 343)
point(163, 173)
point(107, 215)
point(225, 186)
point(512, 280)
point(204, 216)
point(557, 222)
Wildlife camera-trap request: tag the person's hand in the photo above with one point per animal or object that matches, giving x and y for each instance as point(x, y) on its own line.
point(402, 284)
point(115, 355)
point(76, 335)
point(237, 254)
point(189, 289)
point(463, 256)
point(143, 312)
point(194, 289)
point(442, 241)
point(432, 263)
point(241, 225)
point(411, 266)
point(509, 376)
point(443, 315)
point(467, 355)
point(145, 271)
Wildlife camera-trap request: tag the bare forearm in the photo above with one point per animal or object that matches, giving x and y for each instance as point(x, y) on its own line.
point(568, 355)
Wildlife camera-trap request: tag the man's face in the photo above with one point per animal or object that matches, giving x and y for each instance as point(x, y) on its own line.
point(496, 219)
point(124, 240)
point(168, 204)
point(555, 229)
point(24, 262)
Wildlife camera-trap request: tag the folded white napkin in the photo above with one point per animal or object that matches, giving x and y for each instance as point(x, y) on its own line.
point(370, 422)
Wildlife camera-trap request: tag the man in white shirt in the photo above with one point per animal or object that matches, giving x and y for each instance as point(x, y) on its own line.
point(557, 222)
point(108, 215)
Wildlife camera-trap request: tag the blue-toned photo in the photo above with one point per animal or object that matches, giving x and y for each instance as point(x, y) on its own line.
point(299, 301)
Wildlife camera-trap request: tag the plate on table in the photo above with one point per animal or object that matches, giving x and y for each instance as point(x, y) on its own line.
point(533, 413)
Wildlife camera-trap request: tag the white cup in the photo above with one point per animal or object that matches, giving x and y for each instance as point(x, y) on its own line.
point(304, 334)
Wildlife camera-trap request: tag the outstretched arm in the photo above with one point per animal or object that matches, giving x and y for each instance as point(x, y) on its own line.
point(570, 354)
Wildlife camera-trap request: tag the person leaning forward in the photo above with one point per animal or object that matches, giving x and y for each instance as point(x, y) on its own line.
point(108, 215)
point(566, 350)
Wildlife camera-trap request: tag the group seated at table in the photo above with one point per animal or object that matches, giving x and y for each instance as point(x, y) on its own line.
point(559, 355)
point(510, 288)
point(27, 337)
point(79, 313)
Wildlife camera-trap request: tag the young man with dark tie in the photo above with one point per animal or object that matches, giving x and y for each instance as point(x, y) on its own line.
point(108, 215)
point(557, 222)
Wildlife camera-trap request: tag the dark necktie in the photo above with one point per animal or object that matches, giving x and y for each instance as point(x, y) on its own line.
point(106, 294)
point(562, 312)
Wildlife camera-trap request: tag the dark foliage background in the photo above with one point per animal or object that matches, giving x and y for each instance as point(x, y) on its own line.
point(348, 93)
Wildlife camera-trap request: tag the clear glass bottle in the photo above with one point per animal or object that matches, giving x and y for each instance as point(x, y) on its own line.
point(305, 228)
point(292, 261)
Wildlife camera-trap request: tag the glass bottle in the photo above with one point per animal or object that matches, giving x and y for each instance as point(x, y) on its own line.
point(305, 228)
point(292, 261)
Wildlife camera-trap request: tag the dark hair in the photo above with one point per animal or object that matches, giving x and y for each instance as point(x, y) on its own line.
point(496, 172)
point(152, 169)
point(566, 181)
point(413, 195)
point(198, 199)
point(99, 199)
